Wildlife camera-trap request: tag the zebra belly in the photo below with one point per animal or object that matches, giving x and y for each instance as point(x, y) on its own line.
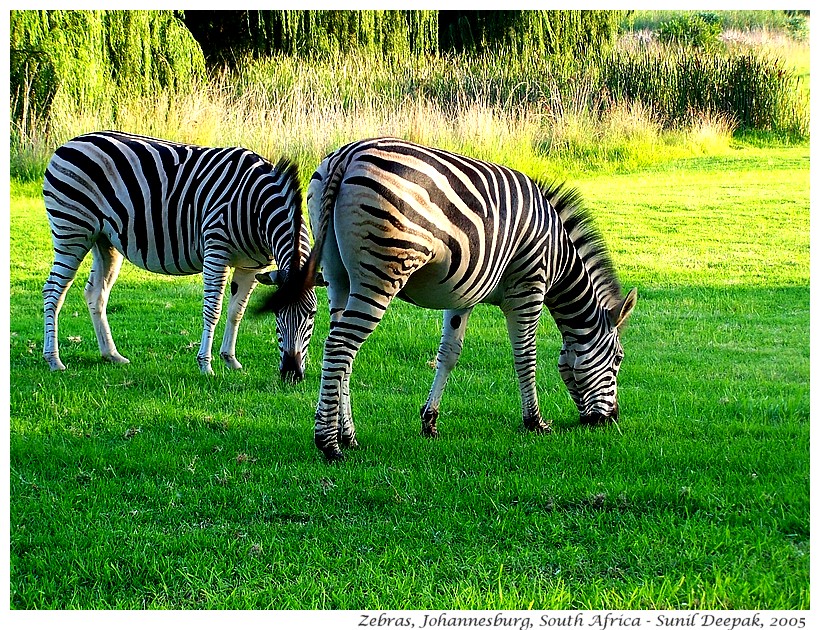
point(188, 261)
point(257, 262)
point(425, 289)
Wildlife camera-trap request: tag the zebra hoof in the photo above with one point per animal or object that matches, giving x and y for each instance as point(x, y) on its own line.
point(331, 451)
point(206, 369)
point(351, 442)
point(116, 358)
point(333, 455)
point(55, 365)
point(428, 422)
point(596, 420)
point(537, 425)
point(231, 362)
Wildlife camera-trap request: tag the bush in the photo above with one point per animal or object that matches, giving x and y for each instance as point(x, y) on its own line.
point(798, 27)
point(755, 91)
point(700, 30)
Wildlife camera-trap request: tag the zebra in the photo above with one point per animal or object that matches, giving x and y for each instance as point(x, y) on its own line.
point(443, 231)
point(176, 209)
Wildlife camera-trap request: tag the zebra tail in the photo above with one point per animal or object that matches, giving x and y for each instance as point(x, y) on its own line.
point(303, 280)
point(330, 192)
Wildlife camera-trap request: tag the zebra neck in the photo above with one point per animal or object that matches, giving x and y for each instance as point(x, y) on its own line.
point(581, 329)
point(578, 321)
point(573, 301)
point(276, 233)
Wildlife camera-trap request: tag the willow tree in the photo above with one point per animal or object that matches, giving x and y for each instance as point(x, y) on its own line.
point(228, 36)
point(564, 34)
point(82, 59)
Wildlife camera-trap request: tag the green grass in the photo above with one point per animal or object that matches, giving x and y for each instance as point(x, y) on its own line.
point(149, 485)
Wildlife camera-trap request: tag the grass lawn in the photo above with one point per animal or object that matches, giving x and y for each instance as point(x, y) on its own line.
point(151, 486)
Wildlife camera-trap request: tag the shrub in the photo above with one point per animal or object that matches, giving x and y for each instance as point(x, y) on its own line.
point(700, 30)
point(755, 91)
point(798, 27)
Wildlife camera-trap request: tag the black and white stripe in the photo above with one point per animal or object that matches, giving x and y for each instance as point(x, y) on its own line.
point(442, 231)
point(175, 209)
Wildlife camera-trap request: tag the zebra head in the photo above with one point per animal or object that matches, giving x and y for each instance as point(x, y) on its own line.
point(294, 325)
point(589, 367)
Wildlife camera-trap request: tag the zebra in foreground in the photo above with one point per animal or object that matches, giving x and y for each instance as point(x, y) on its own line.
point(442, 231)
point(176, 209)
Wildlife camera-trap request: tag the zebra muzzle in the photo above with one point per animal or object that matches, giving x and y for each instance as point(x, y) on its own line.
point(291, 368)
point(596, 419)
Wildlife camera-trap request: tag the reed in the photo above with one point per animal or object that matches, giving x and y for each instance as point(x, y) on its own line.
point(756, 90)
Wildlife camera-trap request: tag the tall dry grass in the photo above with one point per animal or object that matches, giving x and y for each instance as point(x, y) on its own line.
point(517, 112)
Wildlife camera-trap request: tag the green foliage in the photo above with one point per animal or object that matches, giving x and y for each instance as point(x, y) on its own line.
point(229, 36)
point(757, 92)
point(627, 110)
point(86, 57)
point(552, 104)
point(744, 20)
point(698, 30)
point(566, 34)
point(798, 26)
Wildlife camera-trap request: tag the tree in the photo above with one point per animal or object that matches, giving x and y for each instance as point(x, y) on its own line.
point(228, 36)
point(86, 56)
point(556, 33)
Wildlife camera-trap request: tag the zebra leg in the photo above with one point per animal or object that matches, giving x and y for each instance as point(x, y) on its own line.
point(214, 279)
point(522, 325)
point(67, 259)
point(348, 331)
point(338, 293)
point(347, 430)
point(449, 350)
point(104, 271)
point(242, 284)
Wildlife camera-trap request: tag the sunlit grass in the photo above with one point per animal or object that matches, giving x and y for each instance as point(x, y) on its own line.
point(305, 109)
point(149, 485)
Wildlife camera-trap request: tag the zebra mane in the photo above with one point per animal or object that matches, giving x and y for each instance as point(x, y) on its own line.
point(579, 225)
point(290, 183)
point(299, 279)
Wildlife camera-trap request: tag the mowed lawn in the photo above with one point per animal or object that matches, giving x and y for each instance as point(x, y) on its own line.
point(151, 486)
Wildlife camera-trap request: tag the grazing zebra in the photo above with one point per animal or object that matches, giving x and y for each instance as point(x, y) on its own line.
point(442, 231)
point(176, 209)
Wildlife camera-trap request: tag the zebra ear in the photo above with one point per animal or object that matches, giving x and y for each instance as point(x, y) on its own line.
point(270, 278)
point(320, 280)
point(619, 314)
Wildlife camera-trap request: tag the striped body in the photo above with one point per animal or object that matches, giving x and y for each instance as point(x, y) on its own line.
point(174, 209)
point(443, 231)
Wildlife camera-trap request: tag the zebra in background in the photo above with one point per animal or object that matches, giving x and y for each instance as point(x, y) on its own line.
point(442, 231)
point(176, 209)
